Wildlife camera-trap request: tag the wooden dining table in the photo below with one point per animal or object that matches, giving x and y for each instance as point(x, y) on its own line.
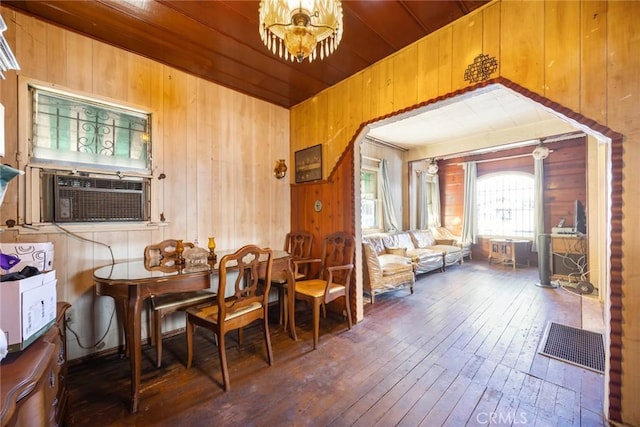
point(130, 283)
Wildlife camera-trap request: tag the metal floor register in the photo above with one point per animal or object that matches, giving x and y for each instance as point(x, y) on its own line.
point(573, 345)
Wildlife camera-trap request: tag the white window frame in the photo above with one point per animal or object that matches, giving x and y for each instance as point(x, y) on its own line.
point(377, 201)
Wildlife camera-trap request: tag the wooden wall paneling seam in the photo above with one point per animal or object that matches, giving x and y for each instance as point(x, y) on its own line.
point(491, 34)
point(444, 60)
point(522, 43)
point(561, 58)
point(427, 69)
point(466, 45)
point(56, 48)
point(593, 60)
point(78, 49)
point(406, 87)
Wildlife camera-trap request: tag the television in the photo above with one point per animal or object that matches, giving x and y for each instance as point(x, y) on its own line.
point(579, 217)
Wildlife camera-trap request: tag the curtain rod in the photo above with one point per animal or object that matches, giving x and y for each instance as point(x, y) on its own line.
point(524, 143)
point(515, 156)
point(377, 141)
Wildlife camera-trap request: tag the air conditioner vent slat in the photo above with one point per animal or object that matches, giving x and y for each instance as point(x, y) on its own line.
point(87, 199)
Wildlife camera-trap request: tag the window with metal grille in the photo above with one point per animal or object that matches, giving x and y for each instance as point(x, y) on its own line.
point(71, 130)
point(89, 160)
point(505, 204)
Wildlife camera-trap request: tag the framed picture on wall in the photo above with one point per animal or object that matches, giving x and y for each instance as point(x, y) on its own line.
point(309, 164)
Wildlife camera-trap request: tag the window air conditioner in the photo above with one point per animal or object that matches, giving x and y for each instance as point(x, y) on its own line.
point(69, 197)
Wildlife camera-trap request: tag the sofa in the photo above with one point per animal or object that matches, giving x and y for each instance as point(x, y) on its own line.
point(391, 260)
point(383, 272)
point(443, 233)
point(425, 239)
point(401, 243)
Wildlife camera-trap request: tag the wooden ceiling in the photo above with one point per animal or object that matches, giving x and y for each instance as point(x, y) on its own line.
point(219, 40)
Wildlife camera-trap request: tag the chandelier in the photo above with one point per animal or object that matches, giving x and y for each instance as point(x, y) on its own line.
point(298, 29)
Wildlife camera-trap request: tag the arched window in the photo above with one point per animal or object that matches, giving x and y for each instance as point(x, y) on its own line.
point(505, 204)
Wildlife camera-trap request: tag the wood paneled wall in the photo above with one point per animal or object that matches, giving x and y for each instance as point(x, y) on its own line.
point(580, 54)
point(336, 213)
point(564, 181)
point(216, 147)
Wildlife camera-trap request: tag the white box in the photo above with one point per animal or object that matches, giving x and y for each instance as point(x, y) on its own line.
point(27, 308)
point(39, 255)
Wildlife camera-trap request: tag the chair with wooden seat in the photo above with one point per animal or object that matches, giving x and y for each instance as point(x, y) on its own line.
point(333, 281)
point(298, 244)
point(248, 271)
point(162, 256)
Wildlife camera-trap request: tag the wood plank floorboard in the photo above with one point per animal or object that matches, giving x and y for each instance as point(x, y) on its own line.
point(462, 350)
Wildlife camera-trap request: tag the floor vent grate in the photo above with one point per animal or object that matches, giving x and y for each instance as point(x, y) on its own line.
point(573, 345)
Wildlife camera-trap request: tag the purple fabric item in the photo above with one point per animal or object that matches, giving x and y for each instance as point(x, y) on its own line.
point(8, 261)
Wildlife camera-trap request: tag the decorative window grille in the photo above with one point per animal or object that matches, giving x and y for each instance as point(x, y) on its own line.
point(505, 204)
point(74, 131)
point(371, 212)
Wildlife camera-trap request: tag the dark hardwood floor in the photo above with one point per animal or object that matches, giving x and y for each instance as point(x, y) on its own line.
point(460, 351)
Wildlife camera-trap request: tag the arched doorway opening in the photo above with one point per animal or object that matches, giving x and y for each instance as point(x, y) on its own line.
point(605, 181)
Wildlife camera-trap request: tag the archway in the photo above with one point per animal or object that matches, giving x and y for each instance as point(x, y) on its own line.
point(607, 149)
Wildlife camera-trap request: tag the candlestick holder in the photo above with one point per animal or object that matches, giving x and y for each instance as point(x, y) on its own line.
point(179, 251)
point(212, 257)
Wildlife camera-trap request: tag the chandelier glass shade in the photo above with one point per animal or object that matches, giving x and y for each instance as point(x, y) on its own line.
point(299, 29)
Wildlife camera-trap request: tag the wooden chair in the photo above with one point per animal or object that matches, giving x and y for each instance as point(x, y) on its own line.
point(298, 244)
point(248, 303)
point(162, 256)
point(333, 281)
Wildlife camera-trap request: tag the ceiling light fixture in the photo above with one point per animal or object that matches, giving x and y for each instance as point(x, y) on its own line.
point(540, 152)
point(293, 28)
point(432, 169)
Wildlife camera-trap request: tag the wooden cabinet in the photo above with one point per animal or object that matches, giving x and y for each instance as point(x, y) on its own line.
point(568, 257)
point(509, 251)
point(34, 383)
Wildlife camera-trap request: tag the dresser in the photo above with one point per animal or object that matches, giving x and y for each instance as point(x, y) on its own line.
point(33, 389)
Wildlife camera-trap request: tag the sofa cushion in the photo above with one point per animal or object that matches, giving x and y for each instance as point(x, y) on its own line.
point(441, 233)
point(424, 253)
point(386, 259)
point(422, 238)
point(398, 240)
point(393, 269)
point(397, 251)
point(394, 264)
point(426, 259)
point(375, 240)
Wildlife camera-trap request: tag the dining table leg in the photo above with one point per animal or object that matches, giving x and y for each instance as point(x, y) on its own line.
point(134, 343)
point(291, 304)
